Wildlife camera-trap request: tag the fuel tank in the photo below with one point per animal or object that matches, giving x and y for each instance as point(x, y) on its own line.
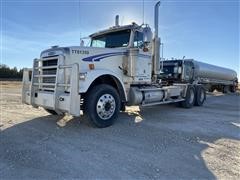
point(205, 70)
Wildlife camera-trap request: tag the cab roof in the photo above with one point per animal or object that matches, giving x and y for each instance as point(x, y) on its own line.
point(115, 29)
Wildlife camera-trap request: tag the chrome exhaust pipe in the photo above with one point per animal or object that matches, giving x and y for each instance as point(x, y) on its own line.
point(156, 15)
point(117, 20)
point(156, 44)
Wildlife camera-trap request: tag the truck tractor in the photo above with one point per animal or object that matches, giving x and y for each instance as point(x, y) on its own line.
point(122, 67)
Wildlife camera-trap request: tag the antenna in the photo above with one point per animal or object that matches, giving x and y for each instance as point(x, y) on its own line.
point(79, 22)
point(143, 11)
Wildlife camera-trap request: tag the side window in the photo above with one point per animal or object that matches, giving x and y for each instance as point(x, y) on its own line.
point(138, 39)
point(101, 42)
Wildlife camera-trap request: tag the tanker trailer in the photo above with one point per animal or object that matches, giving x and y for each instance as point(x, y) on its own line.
point(190, 71)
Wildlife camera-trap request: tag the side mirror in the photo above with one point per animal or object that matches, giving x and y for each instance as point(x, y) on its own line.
point(147, 35)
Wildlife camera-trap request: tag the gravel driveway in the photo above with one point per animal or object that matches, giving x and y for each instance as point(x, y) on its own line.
point(146, 143)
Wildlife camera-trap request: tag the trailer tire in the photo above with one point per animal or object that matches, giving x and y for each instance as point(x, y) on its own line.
point(225, 89)
point(233, 89)
point(200, 96)
point(102, 105)
point(190, 98)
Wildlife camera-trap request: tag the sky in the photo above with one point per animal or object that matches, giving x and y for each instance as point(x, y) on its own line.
point(205, 30)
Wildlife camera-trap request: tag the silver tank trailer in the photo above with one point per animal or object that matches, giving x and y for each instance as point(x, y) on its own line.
point(204, 70)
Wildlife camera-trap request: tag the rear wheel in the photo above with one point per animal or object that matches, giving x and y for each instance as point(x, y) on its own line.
point(225, 89)
point(233, 89)
point(102, 105)
point(200, 96)
point(190, 98)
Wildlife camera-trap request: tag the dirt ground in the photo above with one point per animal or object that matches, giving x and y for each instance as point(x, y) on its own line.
point(149, 143)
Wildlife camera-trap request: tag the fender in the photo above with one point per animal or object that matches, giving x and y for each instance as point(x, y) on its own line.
point(92, 75)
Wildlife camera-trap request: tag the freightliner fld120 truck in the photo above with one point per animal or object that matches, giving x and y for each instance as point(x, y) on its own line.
point(121, 67)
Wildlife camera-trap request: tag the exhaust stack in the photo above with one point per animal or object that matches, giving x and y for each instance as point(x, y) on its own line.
point(156, 15)
point(117, 20)
point(156, 43)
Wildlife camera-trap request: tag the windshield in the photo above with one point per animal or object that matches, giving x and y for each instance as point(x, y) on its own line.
point(112, 40)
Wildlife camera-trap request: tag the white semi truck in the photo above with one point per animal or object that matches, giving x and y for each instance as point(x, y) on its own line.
point(121, 67)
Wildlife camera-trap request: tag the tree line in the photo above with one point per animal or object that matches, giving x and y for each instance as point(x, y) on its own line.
point(10, 73)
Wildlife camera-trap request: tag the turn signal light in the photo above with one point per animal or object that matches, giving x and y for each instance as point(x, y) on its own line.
point(91, 66)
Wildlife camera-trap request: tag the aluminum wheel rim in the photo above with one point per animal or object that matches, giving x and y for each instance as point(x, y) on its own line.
point(106, 106)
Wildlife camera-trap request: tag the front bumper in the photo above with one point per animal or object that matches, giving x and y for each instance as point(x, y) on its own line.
point(37, 93)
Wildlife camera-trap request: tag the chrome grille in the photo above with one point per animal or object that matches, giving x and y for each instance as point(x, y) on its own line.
point(47, 73)
point(48, 79)
point(51, 62)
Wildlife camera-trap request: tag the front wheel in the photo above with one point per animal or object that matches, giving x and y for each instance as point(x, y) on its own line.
point(102, 105)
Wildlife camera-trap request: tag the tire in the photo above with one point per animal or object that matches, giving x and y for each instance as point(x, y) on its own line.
point(225, 89)
point(190, 98)
point(102, 105)
point(233, 89)
point(51, 111)
point(200, 96)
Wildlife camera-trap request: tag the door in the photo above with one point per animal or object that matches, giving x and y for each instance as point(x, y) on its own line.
point(144, 62)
